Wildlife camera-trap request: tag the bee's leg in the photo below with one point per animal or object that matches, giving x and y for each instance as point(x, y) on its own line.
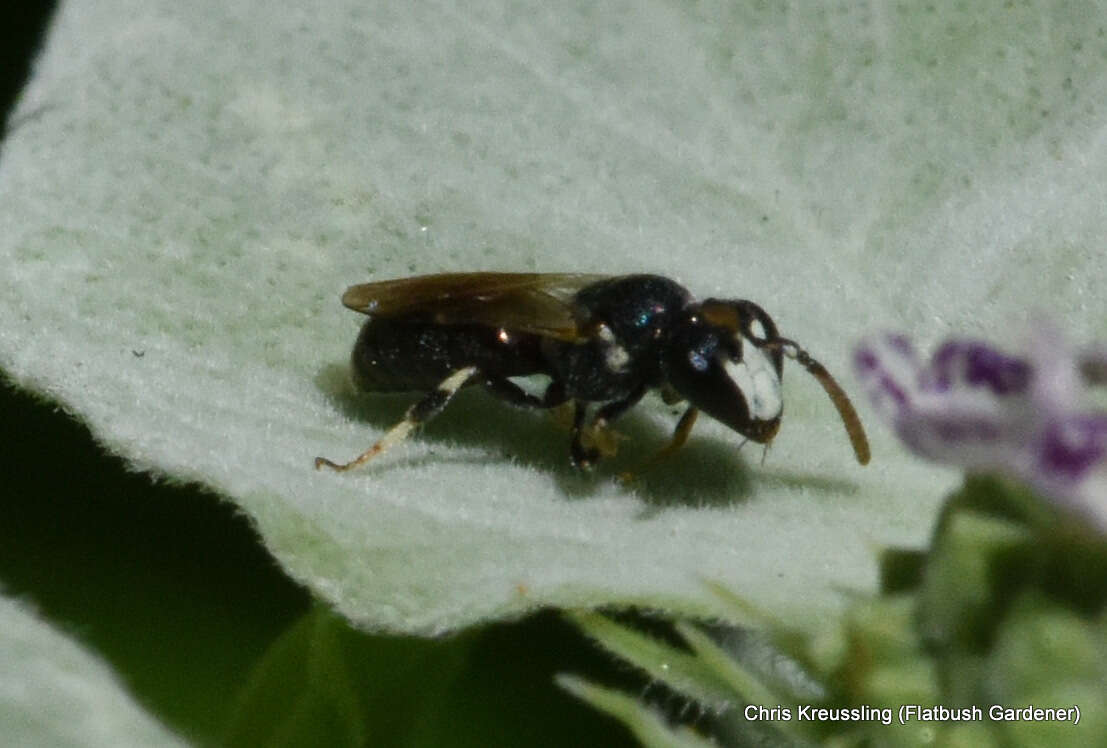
point(594, 440)
point(512, 393)
point(680, 436)
point(551, 400)
point(582, 457)
point(418, 414)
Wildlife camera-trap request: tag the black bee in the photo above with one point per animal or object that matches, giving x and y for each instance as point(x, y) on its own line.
point(600, 339)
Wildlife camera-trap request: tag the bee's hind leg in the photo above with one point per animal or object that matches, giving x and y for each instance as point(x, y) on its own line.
point(418, 414)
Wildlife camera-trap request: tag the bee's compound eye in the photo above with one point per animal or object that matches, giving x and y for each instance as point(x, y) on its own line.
point(730, 350)
point(698, 361)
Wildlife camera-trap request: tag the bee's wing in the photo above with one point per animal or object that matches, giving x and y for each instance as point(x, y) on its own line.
point(539, 303)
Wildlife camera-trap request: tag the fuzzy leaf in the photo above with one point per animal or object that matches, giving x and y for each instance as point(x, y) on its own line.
point(186, 190)
point(646, 724)
point(54, 692)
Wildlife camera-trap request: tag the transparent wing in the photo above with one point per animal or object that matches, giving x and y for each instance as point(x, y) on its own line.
point(539, 303)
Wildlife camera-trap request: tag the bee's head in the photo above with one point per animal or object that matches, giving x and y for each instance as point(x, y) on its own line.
point(725, 358)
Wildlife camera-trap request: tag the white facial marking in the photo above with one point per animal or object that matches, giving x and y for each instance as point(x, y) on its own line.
point(758, 382)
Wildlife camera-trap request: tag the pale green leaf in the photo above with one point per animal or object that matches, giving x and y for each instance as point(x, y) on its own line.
point(681, 671)
point(53, 692)
point(187, 188)
point(646, 725)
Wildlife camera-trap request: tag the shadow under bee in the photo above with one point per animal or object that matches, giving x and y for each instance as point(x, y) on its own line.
point(708, 471)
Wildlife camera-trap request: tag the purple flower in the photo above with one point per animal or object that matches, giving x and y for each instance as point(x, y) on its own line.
point(978, 408)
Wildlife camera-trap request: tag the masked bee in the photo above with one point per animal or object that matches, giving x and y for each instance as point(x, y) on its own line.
point(603, 342)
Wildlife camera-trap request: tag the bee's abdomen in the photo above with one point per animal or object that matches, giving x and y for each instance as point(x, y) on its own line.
point(397, 355)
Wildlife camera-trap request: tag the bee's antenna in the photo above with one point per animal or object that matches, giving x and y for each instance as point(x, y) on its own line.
point(838, 396)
